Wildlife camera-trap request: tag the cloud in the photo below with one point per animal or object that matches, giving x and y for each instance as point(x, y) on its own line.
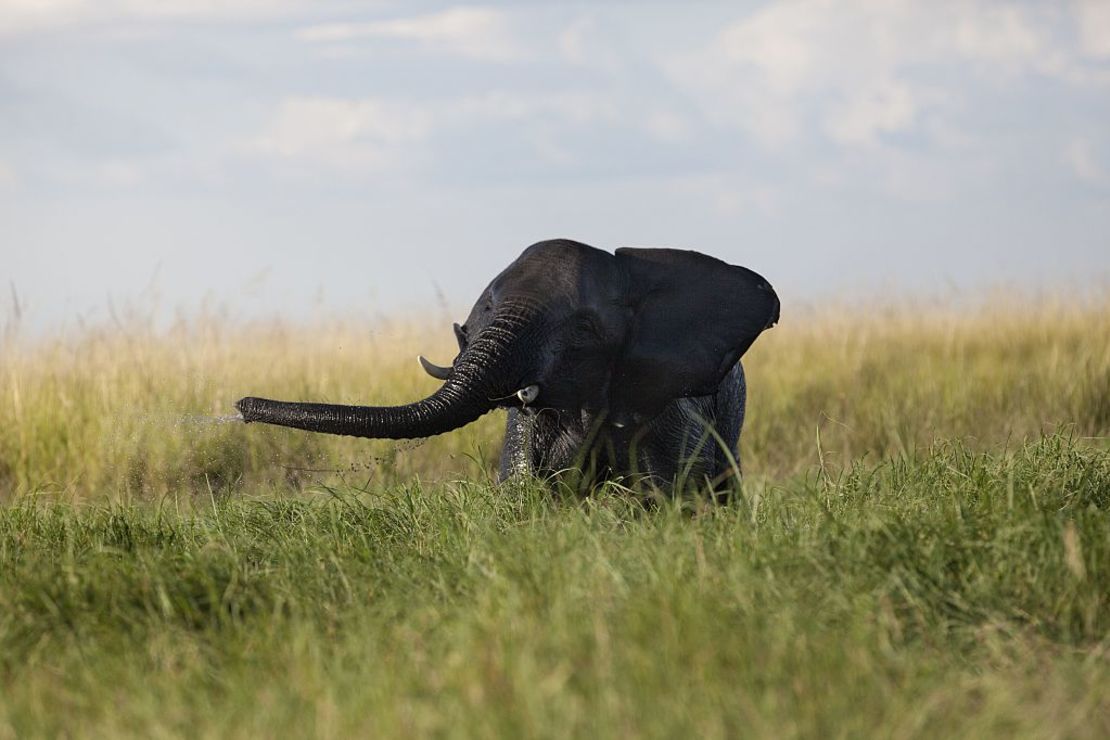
point(753, 71)
point(17, 16)
point(667, 126)
point(120, 173)
point(478, 33)
point(567, 107)
point(1082, 158)
point(856, 70)
point(343, 134)
point(9, 178)
point(862, 116)
point(1001, 34)
point(1094, 27)
point(585, 43)
point(575, 41)
point(30, 16)
point(375, 134)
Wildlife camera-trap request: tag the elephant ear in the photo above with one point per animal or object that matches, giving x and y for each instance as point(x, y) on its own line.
point(693, 317)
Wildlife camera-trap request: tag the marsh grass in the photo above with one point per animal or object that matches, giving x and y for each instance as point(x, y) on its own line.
point(919, 549)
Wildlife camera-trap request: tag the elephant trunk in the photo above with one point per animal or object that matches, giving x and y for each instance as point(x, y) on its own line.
point(472, 389)
point(440, 412)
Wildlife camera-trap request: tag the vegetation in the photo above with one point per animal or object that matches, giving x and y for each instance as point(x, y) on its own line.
point(124, 412)
point(920, 547)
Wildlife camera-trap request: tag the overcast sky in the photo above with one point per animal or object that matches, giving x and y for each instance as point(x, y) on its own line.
point(282, 157)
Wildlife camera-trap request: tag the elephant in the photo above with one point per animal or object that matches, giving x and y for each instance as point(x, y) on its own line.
point(620, 365)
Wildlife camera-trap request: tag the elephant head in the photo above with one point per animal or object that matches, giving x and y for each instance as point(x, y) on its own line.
point(567, 326)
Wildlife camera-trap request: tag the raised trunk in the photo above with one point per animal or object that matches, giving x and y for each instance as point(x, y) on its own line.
point(471, 390)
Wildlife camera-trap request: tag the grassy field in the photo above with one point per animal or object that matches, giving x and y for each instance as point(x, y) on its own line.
point(921, 546)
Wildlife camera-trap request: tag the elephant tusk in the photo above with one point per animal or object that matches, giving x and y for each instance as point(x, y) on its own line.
point(437, 372)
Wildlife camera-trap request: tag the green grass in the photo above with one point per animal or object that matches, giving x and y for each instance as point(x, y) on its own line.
point(948, 593)
point(921, 547)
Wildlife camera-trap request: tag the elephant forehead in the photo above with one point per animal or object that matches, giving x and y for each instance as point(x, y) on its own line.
point(560, 270)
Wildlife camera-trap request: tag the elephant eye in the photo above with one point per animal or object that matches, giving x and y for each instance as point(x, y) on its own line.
point(528, 394)
point(586, 326)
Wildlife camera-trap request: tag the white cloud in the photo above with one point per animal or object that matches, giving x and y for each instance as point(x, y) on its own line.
point(1000, 34)
point(18, 16)
point(851, 68)
point(479, 33)
point(574, 41)
point(345, 134)
point(28, 16)
point(885, 107)
point(1080, 155)
point(666, 125)
point(1094, 27)
point(735, 201)
point(568, 107)
point(584, 43)
point(9, 178)
point(755, 70)
point(133, 172)
point(120, 173)
point(778, 42)
point(374, 134)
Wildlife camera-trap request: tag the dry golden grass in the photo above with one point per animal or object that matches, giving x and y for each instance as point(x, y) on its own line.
point(122, 412)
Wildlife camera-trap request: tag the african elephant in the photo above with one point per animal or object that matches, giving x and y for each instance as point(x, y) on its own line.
point(619, 365)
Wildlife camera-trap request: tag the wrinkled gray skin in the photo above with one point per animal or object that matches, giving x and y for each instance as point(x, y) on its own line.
point(622, 365)
point(673, 445)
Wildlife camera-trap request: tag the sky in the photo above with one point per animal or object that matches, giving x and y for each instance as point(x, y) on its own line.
point(277, 158)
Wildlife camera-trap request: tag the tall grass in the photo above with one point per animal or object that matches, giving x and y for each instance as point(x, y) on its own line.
point(920, 547)
point(120, 413)
point(945, 594)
